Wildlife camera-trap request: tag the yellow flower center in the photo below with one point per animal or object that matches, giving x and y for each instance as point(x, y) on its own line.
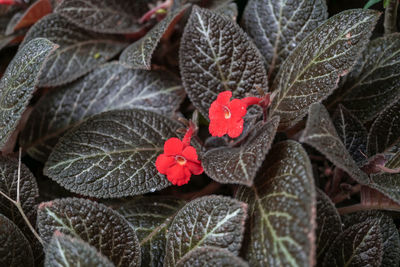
point(181, 160)
point(227, 112)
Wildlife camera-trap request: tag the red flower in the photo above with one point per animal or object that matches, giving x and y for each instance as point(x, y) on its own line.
point(179, 161)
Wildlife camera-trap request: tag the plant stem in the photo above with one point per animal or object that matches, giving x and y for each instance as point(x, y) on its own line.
point(391, 17)
point(360, 207)
point(19, 207)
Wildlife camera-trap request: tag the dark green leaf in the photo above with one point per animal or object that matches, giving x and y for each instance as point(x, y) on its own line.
point(352, 133)
point(112, 154)
point(208, 221)
point(321, 134)
point(239, 165)
point(282, 209)
point(385, 131)
point(94, 223)
point(80, 51)
point(388, 184)
point(277, 27)
point(312, 71)
point(329, 225)
point(210, 257)
point(112, 86)
point(138, 55)
point(15, 250)
point(215, 56)
point(371, 3)
point(359, 245)
point(67, 251)
point(18, 83)
point(151, 218)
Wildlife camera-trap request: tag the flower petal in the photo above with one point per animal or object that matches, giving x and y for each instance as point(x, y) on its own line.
point(190, 153)
point(186, 177)
point(194, 167)
point(175, 173)
point(224, 97)
point(173, 146)
point(238, 109)
point(163, 162)
point(216, 111)
point(235, 128)
point(218, 127)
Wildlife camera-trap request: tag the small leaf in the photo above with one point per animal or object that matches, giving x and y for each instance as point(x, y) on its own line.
point(385, 131)
point(18, 83)
point(109, 87)
point(66, 251)
point(359, 245)
point(388, 184)
point(227, 8)
point(151, 217)
point(215, 56)
point(394, 162)
point(78, 48)
point(94, 223)
point(138, 55)
point(312, 71)
point(352, 133)
point(277, 27)
point(371, 3)
point(210, 257)
point(15, 250)
point(321, 134)
point(282, 209)
point(207, 221)
point(112, 154)
point(329, 225)
point(239, 165)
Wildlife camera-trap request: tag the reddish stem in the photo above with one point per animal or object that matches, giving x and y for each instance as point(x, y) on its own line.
point(252, 100)
point(151, 12)
point(7, 2)
point(188, 136)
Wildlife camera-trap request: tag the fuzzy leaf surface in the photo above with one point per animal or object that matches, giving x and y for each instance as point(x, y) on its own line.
point(210, 257)
point(18, 83)
point(94, 223)
point(80, 51)
point(312, 71)
point(151, 217)
point(239, 165)
point(277, 27)
point(388, 184)
point(207, 221)
point(394, 162)
point(109, 87)
point(321, 134)
point(112, 154)
point(216, 56)
point(281, 209)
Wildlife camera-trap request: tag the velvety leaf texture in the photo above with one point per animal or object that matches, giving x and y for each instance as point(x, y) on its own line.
point(215, 56)
point(18, 83)
point(394, 162)
point(94, 223)
point(80, 51)
point(112, 154)
point(207, 221)
point(282, 209)
point(210, 257)
point(388, 184)
point(151, 218)
point(111, 86)
point(277, 27)
point(15, 250)
point(228, 9)
point(239, 165)
point(66, 251)
point(385, 131)
point(329, 225)
point(374, 82)
point(321, 134)
point(352, 133)
point(359, 245)
point(138, 55)
point(312, 71)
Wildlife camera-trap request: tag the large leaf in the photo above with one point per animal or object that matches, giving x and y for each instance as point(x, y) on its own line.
point(138, 55)
point(208, 221)
point(18, 83)
point(374, 82)
point(67, 251)
point(312, 71)
point(94, 223)
point(352, 133)
point(321, 134)
point(151, 217)
point(394, 161)
point(385, 132)
point(359, 245)
point(215, 56)
point(282, 209)
point(112, 154)
point(80, 51)
point(329, 225)
point(210, 257)
point(239, 165)
point(277, 27)
point(112, 86)
point(15, 250)
point(388, 184)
